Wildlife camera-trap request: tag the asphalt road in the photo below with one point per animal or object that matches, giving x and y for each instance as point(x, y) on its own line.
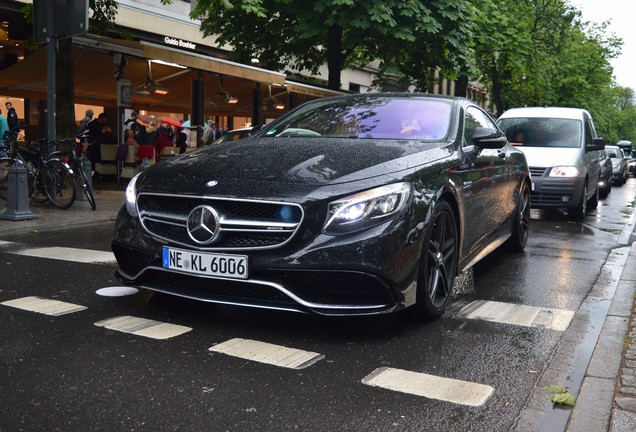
point(174, 364)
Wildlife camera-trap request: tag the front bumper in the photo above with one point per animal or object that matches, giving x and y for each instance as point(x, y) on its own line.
point(554, 192)
point(370, 272)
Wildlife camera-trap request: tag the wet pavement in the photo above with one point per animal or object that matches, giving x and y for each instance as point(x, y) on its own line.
point(597, 354)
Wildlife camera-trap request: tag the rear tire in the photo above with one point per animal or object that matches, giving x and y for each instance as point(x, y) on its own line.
point(59, 185)
point(438, 263)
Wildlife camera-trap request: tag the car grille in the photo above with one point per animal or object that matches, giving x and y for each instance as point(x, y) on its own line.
point(538, 171)
point(242, 224)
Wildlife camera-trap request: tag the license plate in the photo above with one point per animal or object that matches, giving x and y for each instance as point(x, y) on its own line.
point(203, 263)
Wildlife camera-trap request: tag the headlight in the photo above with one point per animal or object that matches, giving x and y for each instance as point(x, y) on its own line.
point(564, 171)
point(131, 196)
point(366, 209)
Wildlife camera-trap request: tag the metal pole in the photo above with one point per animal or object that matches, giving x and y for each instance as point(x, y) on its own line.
point(51, 49)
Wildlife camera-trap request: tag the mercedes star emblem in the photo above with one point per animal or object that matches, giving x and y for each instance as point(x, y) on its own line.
point(203, 223)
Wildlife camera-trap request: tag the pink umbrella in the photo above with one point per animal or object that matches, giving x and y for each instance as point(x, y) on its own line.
point(171, 122)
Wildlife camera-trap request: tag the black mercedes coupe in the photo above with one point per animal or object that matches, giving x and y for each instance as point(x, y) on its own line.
point(351, 205)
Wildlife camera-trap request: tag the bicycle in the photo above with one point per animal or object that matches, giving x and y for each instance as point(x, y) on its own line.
point(48, 178)
point(77, 164)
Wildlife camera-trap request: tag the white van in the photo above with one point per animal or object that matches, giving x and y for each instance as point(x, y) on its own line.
point(561, 147)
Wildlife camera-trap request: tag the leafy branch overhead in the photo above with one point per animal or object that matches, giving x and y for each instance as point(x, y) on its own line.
point(407, 39)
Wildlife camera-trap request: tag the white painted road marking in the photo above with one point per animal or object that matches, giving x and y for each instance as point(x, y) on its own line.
point(44, 306)
point(69, 254)
point(429, 386)
point(264, 352)
point(527, 316)
point(143, 327)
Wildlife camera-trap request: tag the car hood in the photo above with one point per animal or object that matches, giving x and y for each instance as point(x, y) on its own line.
point(302, 161)
point(550, 156)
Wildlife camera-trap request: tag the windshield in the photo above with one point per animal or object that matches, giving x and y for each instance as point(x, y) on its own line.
point(408, 118)
point(542, 132)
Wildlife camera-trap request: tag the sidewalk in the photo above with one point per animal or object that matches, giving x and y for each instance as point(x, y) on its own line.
point(607, 397)
point(109, 201)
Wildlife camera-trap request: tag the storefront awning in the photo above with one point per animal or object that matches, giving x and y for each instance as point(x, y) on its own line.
point(211, 64)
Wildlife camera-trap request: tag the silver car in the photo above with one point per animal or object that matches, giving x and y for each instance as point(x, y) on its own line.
point(620, 171)
point(561, 147)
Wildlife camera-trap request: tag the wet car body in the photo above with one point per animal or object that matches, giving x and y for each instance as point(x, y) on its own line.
point(605, 177)
point(620, 170)
point(285, 210)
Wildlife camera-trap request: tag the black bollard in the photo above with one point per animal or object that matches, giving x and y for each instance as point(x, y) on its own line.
point(18, 195)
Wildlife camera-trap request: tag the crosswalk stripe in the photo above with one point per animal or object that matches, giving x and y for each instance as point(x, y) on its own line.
point(264, 352)
point(143, 327)
point(429, 386)
point(69, 254)
point(522, 315)
point(44, 306)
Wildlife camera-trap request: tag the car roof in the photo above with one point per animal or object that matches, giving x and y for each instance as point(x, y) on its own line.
point(545, 112)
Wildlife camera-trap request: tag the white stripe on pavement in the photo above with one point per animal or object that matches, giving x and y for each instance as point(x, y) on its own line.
point(69, 254)
point(527, 316)
point(44, 306)
point(429, 386)
point(143, 327)
point(264, 352)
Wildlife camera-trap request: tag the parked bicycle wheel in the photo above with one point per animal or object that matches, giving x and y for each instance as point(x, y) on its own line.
point(36, 188)
point(5, 165)
point(88, 191)
point(59, 185)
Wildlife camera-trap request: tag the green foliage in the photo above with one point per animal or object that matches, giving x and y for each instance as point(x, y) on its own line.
point(407, 38)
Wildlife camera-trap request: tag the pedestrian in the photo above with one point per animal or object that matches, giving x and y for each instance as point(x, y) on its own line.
point(132, 119)
point(96, 130)
point(81, 127)
point(211, 133)
point(12, 116)
point(4, 128)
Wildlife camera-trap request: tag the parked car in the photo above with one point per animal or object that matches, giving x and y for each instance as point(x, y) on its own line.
point(605, 178)
point(377, 206)
point(631, 167)
point(561, 147)
point(234, 135)
point(620, 172)
point(628, 149)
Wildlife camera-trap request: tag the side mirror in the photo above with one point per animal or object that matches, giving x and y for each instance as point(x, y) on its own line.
point(489, 138)
point(597, 144)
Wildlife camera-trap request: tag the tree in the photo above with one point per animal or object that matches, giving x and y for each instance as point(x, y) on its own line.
point(407, 38)
point(538, 52)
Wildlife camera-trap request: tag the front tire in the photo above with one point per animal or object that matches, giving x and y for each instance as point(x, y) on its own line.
point(519, 238)
point(438, 263)
point(580, 211)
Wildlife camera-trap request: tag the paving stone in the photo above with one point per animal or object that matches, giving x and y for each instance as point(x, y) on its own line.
point(627, 403)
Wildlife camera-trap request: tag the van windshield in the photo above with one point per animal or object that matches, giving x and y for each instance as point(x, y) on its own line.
point(542, 132)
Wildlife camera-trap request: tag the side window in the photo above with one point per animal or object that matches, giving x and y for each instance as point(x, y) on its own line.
point(475, 118)
point(589, 131)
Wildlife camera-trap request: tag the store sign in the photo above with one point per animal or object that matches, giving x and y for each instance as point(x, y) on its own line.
point(179, 43)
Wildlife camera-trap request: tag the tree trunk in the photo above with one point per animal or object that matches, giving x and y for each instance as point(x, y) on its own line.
point(335, 57)
point(496, 90)
point(461, 86)
point(64, 89)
